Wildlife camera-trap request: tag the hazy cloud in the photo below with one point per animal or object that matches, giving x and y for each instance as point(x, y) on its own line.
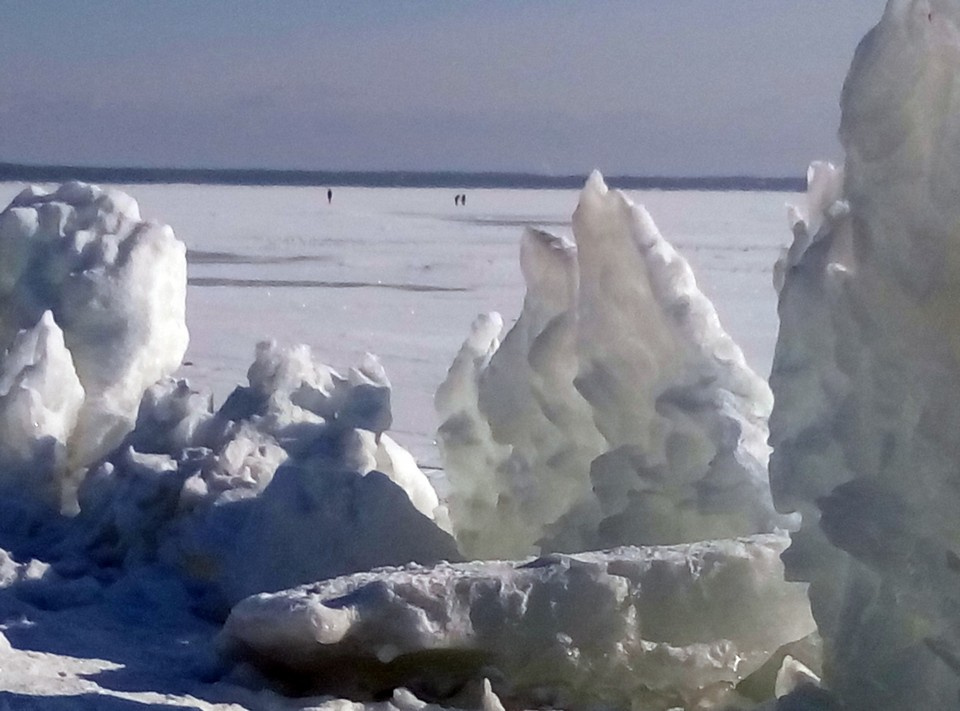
point(647, 86)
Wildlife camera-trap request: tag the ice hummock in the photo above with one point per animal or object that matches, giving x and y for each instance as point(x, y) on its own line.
point(294, 479)
point(226, 497)
point(617, 411)
point(434, 629)
point(80, 271)
point(866, 373)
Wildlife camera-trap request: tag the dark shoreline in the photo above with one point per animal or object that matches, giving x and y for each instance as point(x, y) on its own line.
point(383, 179)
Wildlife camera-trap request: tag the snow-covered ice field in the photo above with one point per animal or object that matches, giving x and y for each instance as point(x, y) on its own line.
point(630, 516)
point(402, 272)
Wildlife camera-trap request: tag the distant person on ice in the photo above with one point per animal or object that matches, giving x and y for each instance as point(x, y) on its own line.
point(329, 196)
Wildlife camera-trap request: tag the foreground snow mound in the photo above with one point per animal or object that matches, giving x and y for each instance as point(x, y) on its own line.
point(291, 481)
point(132, 642)
point(617, 411)
point(79, 265)
point(867, 374)
point(642, 628)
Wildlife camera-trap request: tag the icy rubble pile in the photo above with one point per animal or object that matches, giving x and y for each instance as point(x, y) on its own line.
point(92, 303)
point(867, 374)
point(291, 480)
point(616, 412)
point(643, 628)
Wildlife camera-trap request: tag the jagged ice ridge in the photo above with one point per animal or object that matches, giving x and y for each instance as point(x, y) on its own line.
point(617, 411)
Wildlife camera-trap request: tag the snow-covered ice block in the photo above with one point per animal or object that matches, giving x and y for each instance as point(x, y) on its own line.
point(292, 480)
point(617, 411)
point(643, 628)
point(867, 375)
point(313, 523)
point(349, 497)
point(296, 399)
point(172, 417)
point(116, 287)
point(40, 398)
point(480, 699)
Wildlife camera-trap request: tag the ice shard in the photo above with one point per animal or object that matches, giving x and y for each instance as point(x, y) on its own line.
point(617, 411)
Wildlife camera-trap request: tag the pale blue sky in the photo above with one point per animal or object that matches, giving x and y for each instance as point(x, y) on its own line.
point(675, 87)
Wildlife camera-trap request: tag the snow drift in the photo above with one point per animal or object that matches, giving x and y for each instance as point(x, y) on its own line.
point(867, 373)
point(92, 304)
point(617, 411)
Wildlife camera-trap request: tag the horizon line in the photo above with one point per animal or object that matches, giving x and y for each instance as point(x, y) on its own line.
point(16, 172)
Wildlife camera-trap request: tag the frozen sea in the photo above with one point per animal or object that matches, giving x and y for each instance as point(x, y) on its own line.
point(401, 272)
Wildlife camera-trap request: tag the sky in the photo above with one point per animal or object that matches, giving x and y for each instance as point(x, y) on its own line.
point(641, 87)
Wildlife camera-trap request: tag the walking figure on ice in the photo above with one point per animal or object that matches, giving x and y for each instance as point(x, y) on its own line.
point(329, 196)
